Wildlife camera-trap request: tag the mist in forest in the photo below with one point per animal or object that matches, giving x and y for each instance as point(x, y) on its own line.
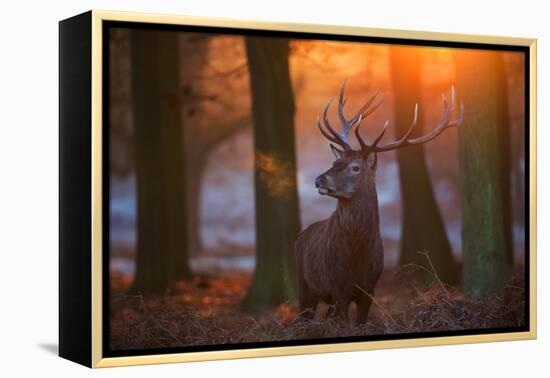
point(218, 91)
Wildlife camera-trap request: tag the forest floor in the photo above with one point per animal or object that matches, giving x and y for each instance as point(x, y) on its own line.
point(205, 311)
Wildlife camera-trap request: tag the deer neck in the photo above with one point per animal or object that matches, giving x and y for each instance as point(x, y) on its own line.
point(359, 214)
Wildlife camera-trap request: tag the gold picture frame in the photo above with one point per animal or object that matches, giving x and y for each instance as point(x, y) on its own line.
point(92, 355)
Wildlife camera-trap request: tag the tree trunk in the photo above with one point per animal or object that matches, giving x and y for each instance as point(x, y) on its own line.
point(276, 196)
point(194, 49)
point(161, 230)
point(121, 138)
point(423, 227)
point(484, 149)
point(514, 70)
point(506, 162)
point(194, 198)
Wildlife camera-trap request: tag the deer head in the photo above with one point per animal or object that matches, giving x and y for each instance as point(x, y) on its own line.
point(353, 167)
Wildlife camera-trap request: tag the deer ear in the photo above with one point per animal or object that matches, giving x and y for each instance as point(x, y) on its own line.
point(336, 151)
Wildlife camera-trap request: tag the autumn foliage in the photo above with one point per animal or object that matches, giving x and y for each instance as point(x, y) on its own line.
point(206, 311)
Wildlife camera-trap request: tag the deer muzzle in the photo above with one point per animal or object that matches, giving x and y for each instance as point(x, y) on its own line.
point(321, 185)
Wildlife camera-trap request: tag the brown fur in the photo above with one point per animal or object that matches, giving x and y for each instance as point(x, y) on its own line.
point(341, 258)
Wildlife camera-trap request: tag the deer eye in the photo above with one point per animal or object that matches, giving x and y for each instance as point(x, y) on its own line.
point(355, 168)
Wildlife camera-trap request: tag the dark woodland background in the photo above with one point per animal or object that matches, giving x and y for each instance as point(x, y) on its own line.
point(213, 155)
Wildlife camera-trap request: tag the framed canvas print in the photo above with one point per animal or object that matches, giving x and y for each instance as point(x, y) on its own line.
point(234, 189)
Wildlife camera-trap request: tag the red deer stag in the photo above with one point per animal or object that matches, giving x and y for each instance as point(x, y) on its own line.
point(339, 260)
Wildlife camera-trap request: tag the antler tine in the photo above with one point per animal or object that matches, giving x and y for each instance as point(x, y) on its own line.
point(403, 140)
point(445, 123)
point(341, 103)
point(413, 125)
point(452, 98)
point(346, 124)
point(364, 111)
point(379, 137)
point(362, 143)
point(460, 117)
point(329, 137)
point(366, 148)
point(336, 138)
point(367, 109)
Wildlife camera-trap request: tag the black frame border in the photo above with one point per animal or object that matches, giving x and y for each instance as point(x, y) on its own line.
point(75, 180)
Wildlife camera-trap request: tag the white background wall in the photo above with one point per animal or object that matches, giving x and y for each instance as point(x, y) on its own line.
point(29, 174)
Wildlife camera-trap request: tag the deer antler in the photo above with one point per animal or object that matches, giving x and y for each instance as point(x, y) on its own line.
point(363, 112)
point(347, 124)
point(444, 123)
point(334, 136)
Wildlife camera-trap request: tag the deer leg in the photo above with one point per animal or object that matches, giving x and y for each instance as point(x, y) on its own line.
point(308, 307)
point(363, 306)
point(341, 309)
point(308, 301)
